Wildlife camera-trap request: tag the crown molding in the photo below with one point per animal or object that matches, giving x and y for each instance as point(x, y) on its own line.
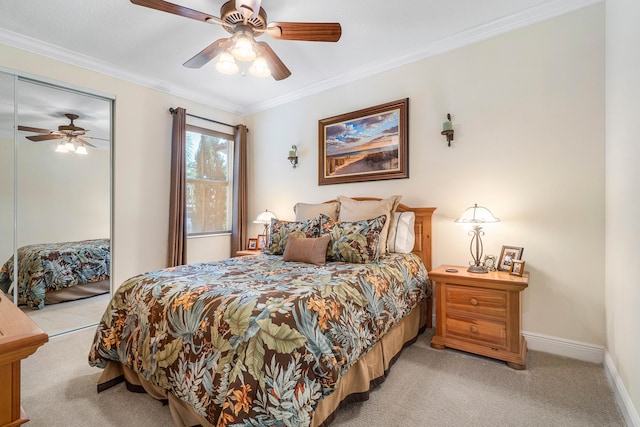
point(80, 60)
point(547, 10)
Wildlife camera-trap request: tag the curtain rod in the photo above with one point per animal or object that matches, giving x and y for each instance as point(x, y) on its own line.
point(173, 111)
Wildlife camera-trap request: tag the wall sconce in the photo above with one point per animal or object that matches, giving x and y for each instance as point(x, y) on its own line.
point(293, 156)
point(447, 129)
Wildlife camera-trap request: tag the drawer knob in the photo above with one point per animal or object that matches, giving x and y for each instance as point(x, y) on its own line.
point(473, 329)
point(474, 301)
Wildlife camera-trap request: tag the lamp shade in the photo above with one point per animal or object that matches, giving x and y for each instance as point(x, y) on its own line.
point(226, 64)
point(477, 215)
point(259, 68)
point(265, 217)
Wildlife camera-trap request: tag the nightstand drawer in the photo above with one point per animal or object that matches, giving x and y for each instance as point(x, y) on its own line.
point(474, 300)
point(487, 332)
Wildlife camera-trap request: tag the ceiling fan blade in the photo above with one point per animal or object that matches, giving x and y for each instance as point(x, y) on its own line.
point(165, 6)
point(84, 142)
point(38, 138)
point(30, 129)
point(307, 31)
point(94, 137)
point(279, 71)
point(208, 53)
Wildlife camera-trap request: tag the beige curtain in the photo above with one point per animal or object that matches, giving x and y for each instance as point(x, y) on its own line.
point(239, 223)
point(177, 254)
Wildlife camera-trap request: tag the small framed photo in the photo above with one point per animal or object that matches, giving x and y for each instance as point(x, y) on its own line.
point(490, 262)
point(252, 244)
point(517, 267)
point(507, 256)
point(262, 241)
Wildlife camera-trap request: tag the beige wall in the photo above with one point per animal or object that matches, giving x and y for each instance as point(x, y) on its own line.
point(528, 111)
point(623, 196)
point(142, 155)
point(73, 191)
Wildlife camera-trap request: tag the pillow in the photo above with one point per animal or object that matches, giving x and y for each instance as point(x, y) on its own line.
point(356, 242)
point(309, 250)
point(356, 210)
point(306, 211)
point(280, 232)
point(402, 237)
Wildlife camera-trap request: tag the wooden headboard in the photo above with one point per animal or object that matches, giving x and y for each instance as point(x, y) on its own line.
point(422, 246)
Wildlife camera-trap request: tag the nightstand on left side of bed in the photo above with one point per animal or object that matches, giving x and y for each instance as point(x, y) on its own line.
point(248, 252)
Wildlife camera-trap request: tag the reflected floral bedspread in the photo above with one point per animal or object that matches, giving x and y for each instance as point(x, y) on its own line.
point(53, 266)
point(255, 340)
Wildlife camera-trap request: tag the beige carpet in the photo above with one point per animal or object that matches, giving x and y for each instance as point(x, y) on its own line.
point(66, 316)
point(426, 387)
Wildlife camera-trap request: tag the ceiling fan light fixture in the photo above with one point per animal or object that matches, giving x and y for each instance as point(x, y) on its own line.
point(226, 64)
point(242, 49)
point(69, 146)
point(81, 150)
point(62, 148)
point(259, 68)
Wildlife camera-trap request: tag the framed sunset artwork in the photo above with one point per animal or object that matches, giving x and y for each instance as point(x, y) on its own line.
point(365, 145)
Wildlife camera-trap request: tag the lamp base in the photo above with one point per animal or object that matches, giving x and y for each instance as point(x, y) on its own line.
point(477, 269)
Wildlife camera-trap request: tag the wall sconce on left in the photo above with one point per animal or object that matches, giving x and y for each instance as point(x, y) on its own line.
point(447, 130)
point(293, 156)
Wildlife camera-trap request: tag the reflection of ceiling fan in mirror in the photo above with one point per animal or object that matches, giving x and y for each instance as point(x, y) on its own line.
point(246, 20)
point(74, 138)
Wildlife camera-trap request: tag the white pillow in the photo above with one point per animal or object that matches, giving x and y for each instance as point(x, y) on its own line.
point(305, 211)
point(402, 237)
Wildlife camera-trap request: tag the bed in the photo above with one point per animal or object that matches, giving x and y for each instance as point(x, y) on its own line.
point(259, 340)
point(56, 272)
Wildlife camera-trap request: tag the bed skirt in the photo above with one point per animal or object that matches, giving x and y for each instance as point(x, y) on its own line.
point(353, 386)
point(72, 293)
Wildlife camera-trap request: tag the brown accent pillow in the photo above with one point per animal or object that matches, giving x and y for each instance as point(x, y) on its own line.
point(309, 250)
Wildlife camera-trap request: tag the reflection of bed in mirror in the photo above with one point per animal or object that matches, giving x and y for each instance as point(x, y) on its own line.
point(56, 272)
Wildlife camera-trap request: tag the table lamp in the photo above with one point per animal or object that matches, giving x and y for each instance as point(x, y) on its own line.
point(476, 216)
point(265, 219)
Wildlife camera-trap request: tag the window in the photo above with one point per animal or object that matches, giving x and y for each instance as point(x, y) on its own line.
point(209, 160)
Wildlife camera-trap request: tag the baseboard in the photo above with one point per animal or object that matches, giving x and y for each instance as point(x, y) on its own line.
point(625, 404)
point(564, 347)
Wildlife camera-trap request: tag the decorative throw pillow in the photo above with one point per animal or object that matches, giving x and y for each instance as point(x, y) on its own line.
point(280, 232)
point(402, 237)
point(356, 210)
point(306, 211)
point(357, 242)
point(309, 250)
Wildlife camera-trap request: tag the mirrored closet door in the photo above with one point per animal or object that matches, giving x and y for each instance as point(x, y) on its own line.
point(62, 205)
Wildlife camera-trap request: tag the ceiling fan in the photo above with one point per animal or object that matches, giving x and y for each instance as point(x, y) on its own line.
point(73, 137)
point(246, 20)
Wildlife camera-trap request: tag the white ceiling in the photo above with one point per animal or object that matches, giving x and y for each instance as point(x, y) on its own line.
point(149, 47)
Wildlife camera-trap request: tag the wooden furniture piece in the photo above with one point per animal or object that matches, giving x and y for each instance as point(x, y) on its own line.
point(480, 313)
point(248, 252)
point(20, 337)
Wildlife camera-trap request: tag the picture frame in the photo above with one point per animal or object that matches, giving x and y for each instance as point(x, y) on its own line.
point(507, 255)
point(490, 262)
point(365, 145)
point(517, 267)
point(262, 241)
point(252, 244)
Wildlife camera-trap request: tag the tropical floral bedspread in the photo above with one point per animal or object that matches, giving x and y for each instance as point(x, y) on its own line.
point(255, 341)
point(53, 266)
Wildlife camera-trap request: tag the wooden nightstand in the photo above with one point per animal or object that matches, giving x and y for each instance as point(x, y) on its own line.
point(248, 252)
point(480, 313)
